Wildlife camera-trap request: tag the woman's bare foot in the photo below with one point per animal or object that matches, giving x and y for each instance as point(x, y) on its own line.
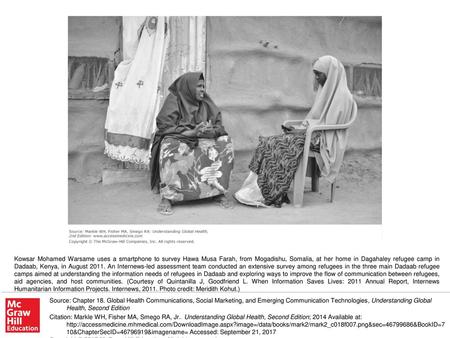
point(165, 207)
point(225, 201)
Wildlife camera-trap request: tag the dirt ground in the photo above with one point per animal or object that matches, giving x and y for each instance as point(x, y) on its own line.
point(357, 201)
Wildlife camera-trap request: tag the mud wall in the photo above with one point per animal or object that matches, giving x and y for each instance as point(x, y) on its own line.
point(259, 71)
point(86, 141)
point(98, 37)
point(94, 35)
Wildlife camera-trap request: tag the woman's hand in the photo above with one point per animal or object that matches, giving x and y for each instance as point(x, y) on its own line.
point(190, 133)
point(207, 133)
point(305, 124)
point(194, 132)
point(310, 123)
point(206, 130)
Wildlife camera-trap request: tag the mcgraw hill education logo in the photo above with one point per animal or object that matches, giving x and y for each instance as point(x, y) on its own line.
point(22, 315)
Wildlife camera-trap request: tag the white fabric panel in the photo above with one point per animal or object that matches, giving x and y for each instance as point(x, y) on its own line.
point(135, 98)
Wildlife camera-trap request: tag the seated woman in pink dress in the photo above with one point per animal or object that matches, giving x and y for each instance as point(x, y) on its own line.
point(192, 154)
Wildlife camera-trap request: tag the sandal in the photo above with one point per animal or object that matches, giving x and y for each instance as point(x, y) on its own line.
point(225, 202)
point(165, 207)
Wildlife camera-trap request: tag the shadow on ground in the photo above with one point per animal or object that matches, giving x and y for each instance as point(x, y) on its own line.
point(357, 201)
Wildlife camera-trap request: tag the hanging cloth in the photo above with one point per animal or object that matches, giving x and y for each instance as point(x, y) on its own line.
point(135, 92)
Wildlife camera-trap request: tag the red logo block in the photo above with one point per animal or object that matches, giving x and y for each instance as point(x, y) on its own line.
point(22, 315)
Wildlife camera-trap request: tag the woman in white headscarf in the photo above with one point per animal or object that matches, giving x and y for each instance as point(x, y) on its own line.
point(276, 158)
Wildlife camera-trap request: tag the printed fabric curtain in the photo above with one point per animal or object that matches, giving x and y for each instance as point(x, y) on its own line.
point(155, 54)
point(135, 93)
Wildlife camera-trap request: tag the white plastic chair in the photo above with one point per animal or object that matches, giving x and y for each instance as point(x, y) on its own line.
point(300, 174)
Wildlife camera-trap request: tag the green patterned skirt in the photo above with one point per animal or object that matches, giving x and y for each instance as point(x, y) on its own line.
point(191, 174)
